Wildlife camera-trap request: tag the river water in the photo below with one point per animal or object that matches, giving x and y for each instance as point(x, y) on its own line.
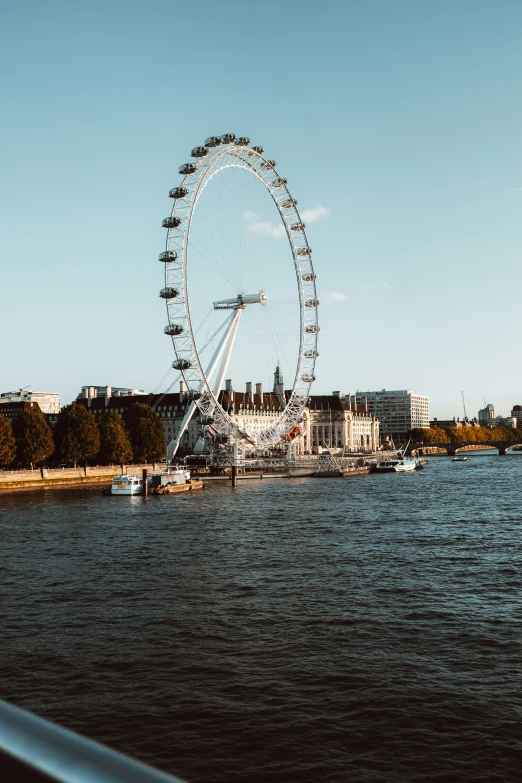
point(363, 629)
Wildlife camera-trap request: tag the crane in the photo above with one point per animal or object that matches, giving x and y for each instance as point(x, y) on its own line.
point(464, 406)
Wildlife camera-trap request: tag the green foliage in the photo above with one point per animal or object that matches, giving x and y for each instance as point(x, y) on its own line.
point(145, 432)
point(7, 442)
point(77, 436)
point(115, 446)
point(34, 438)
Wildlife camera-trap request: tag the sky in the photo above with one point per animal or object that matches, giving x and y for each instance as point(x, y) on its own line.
point(397, 124)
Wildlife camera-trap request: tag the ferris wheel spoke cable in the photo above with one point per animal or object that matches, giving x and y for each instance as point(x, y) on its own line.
point(220, 272)
point(178, 377)
point(216, 247)
point(227, 247)
point(160, 384)
point(277, 338)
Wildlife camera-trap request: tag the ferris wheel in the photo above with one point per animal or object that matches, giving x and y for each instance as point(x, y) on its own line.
point(204, 378)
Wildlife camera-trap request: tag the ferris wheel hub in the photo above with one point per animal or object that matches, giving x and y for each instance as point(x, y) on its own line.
point(240, 301)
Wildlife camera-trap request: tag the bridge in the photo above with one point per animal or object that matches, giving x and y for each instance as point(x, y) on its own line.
point(453, 447)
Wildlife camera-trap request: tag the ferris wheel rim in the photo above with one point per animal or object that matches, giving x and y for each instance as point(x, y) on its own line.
point(198, 176)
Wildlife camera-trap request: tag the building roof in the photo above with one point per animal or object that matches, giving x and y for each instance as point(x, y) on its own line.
point(332, 402)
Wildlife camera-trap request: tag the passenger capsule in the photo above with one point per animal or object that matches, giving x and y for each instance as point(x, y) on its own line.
point(243, 141)
point(269, 164)
point(308, 277)
point(304, 251)
point(311, 303)
point(312, 329)
point(194, 394)
point(206, 420)
point(169, 293)
point(181, 364)
point(297, 227)
point(168, 255)
point(311, 354)
point(213, 141)
point(308, 378)
point(289, 203)
point(199, 152)
point(188, 168)
point(259, 150)
point(228, 138)
point(171, 222)
point(173, 330)
point(180, 192)
point(279, 182)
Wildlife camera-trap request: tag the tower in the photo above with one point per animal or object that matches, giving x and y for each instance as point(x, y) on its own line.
point(279, 385)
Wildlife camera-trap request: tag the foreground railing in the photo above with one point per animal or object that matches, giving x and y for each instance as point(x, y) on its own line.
point(33, 749)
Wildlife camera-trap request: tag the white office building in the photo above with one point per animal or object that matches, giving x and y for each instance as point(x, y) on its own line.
point(397, 411)
point(49, 402)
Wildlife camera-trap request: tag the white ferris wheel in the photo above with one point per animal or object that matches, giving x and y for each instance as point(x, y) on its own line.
point(211, 267)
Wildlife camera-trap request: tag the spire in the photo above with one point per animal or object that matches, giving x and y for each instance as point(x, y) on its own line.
point(278, 378)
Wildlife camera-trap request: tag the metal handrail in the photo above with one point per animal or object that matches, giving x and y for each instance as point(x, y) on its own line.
point(66, 756)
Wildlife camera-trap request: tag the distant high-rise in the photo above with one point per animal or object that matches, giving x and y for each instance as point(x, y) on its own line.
point(397, 411)
point(487, 415)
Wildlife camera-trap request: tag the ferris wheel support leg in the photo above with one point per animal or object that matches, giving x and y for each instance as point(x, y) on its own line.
point(229, 338)
point(226, 358)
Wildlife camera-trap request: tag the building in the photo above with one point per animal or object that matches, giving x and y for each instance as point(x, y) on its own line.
point(486, 416)
point(397, 411)
point(48, 402)
point(328, 421)
point(447, 423)
point(170, 408)
point(516, 413)
point(332, 423)
point(108, 391)
point(508, 422)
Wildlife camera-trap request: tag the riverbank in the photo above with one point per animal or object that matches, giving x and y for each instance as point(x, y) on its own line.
point(63, 478)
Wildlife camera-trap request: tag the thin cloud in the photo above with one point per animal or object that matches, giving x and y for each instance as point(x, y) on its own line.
point(261, 227)
point(334, 297)
point(256, 225)
point(315, 214)
point(510, 190)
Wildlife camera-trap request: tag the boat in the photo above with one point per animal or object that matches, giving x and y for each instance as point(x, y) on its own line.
point(162, 482)
point(125, 484)
point(399, 464)
point(458, 458)
point(174, 480)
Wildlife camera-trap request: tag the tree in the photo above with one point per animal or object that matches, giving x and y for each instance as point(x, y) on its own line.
point(77, 435)
point(146, 433)
point(34, 438)
point(7, 442)
point(115, 445)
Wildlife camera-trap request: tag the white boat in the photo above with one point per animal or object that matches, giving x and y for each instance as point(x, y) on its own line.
point(399, 464)
point(458, 458)
point(133, 485)
point(127, 485)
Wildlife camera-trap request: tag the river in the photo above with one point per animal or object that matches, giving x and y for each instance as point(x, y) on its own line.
point(363, 629)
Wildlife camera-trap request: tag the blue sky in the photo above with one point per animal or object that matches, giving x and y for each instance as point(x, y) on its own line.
point(402, 119)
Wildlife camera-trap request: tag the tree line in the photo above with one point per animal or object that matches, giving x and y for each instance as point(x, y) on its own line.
point(79, 439)
point(435, 435)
